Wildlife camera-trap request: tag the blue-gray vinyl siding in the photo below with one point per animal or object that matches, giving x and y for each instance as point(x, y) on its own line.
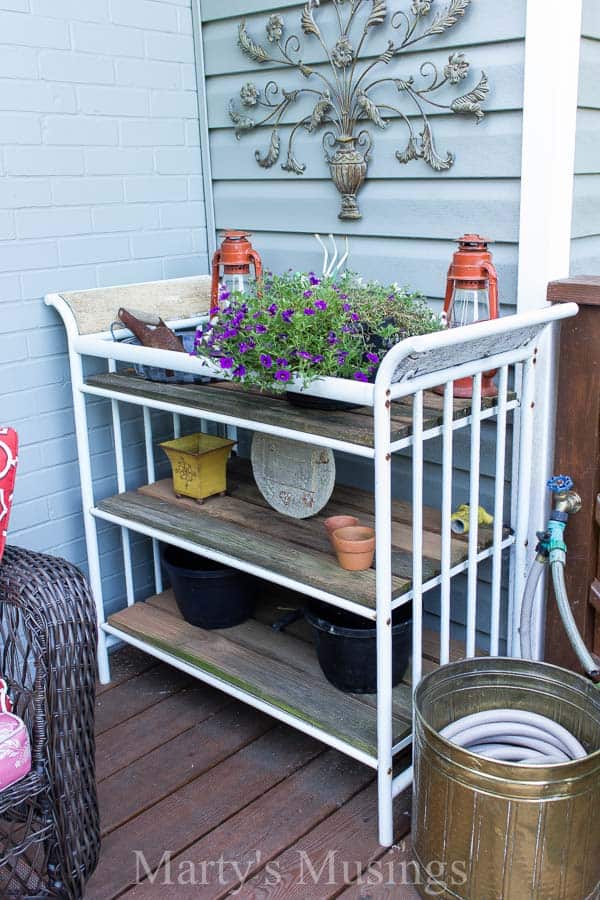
point(585, 244)
point(411, 214)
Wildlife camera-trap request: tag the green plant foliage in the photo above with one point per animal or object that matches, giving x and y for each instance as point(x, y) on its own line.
point(302, 326)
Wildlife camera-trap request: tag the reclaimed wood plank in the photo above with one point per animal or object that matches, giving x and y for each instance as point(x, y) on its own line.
point(197, 808)
point(164, 720)
point(297, 654)
point(175, 762)
point(245, 406)
point(240, 476)
point(263, 830)
point(304, 693)
point(246, 507)
point(354, 426)
point(319, 570)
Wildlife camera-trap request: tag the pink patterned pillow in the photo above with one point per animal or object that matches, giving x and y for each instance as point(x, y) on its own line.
point(9, 443)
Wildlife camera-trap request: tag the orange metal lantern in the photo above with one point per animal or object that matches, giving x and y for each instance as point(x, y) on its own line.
point(231, 265)
point(472, 296)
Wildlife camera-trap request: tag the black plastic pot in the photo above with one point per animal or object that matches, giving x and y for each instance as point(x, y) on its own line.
point(208, 595)
point(347, 647)
point(307, 401)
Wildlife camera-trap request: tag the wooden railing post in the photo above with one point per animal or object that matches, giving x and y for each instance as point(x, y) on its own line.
point(577, 453)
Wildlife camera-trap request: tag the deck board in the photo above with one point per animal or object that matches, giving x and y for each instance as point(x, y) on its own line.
point(165, 719)
point(175, 762)
point(278, 794)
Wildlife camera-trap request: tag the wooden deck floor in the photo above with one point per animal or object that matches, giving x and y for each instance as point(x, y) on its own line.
point(204, 797)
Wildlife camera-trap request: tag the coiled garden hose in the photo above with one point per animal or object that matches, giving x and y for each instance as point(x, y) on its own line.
point(515, 736)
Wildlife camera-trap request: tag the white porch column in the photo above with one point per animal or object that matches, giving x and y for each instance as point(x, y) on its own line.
point(552, 44)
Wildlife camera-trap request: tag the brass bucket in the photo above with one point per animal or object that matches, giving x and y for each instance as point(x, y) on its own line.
point(485, 830)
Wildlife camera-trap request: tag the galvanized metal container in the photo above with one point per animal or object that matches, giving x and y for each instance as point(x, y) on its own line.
point(485, 830)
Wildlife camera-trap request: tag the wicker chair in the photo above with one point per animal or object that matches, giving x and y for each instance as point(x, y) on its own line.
point(49, 824)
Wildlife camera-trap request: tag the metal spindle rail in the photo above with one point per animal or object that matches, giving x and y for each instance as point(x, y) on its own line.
point(408, 370)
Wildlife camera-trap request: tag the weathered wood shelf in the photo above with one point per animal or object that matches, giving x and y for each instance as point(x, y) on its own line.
point(353, 426)
point(243, 526)
point(280, 669)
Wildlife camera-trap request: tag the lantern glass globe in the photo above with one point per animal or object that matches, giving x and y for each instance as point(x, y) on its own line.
point(468, 305)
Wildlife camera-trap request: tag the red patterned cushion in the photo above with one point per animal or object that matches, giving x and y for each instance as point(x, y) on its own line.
point(9, 444)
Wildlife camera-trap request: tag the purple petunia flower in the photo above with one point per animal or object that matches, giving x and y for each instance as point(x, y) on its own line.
point(260, 329)
point(343, 296)
point(281, 361)
point(227, 362)
point(266, 361)
point(256, 315)
point(320, 304)
point(224, 294)
point(282, 375)
point(239, 371)
point(243, 347)
point(332, 338)
point(230, 333)
point(347, 329)
point(318, 358)
point(360, 376)
point(272, 309)
point(355, 317)
point(304, 354)
point(309, 311)
point(308, 294)
point(287, 314)
point(346, 307)
point(371, 357)
point(313, 279)
point(341, 358)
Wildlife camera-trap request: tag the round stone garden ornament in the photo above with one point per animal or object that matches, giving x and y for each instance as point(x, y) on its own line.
point(296, 479)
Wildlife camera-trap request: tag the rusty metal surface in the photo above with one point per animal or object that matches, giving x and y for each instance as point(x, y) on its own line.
point(485, 830)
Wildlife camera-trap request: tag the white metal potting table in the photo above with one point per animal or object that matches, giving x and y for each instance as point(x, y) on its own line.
point(278, 673)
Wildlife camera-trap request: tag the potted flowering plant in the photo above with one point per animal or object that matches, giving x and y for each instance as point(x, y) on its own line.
point(299, 327)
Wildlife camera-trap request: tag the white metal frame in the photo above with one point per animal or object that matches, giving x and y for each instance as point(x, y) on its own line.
point(408, 369)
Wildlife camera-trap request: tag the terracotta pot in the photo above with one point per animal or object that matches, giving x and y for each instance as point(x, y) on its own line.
point(335, 522)
point(355, 547)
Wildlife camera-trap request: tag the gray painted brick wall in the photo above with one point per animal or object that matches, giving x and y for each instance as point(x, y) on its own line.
point(100, 183)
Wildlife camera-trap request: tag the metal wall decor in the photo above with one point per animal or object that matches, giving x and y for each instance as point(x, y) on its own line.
point(346, 94)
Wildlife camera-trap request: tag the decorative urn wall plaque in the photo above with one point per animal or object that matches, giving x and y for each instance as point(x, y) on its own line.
point(348, 89)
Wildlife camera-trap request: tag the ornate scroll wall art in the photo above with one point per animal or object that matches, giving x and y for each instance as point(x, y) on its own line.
point(346, 93)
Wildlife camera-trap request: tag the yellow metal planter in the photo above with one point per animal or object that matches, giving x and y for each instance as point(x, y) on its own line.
point(485, 830)
point(199, 464)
